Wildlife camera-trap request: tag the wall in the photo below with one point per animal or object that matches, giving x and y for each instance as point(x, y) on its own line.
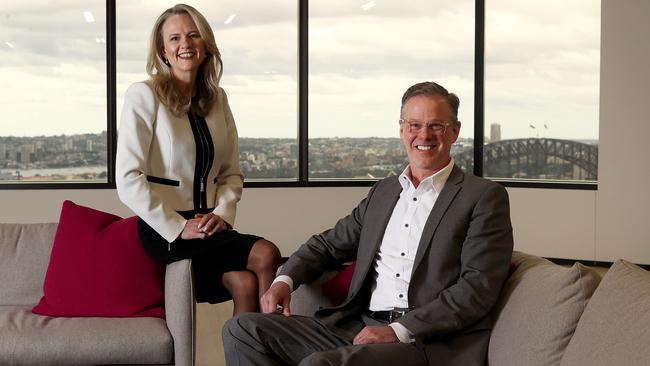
point(556, 223)
point(286, 216)
point(600, 225)
point(622, 218)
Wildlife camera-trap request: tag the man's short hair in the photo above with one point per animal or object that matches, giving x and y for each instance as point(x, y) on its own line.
point(430, 88)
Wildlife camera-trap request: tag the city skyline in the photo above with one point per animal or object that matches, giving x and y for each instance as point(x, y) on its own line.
point(83, 157)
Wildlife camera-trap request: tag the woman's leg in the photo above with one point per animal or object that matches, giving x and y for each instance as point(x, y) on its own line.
point(242, 286)
point(264, 260)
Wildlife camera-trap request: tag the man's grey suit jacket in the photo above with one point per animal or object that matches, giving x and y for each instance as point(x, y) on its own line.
point(461, 263)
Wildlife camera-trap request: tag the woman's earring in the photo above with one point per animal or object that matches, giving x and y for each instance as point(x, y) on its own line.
point(166, 62)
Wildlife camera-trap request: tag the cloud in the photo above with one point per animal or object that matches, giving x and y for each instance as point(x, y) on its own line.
point(542, 62)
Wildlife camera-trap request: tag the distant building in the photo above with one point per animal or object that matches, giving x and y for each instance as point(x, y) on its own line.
point(495, 132)
point(89, 145)
point(12, 155)
point(3, 152)
point(26, 153)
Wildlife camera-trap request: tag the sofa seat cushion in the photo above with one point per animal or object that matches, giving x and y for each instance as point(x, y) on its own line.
point(29, 339)
point(614, 327)
point(538, 311)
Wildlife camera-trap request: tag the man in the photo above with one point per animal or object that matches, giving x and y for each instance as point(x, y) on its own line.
point(432, 249)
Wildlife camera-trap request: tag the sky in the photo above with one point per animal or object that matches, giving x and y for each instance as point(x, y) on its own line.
point(542, 63)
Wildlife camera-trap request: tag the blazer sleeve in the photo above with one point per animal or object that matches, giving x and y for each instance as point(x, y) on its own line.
point(484, 260)
point(134, 140)
point(330, 248)
point(230, 180)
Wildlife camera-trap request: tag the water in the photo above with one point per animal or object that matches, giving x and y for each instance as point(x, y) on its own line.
point(10, 174)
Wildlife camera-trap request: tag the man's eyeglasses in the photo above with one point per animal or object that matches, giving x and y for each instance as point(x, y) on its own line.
point(436, 127)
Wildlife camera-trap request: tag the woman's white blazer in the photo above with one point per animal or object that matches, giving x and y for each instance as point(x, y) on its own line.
point(156, 158)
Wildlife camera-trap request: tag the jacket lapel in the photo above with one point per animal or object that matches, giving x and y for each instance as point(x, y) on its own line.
point(383, 203)
point(449, 192)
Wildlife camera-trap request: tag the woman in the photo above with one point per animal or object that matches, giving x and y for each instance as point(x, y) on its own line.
point(177, 165)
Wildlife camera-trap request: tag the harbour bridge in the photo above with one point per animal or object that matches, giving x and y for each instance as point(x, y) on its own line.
point(536, 158)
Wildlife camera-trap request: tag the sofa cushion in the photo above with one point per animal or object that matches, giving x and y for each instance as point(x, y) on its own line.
point(24, 253)
point(28, 339)
point(309, 297)
point(336, 289)
point(614, 327)
point(99, 268)
point(538, 310)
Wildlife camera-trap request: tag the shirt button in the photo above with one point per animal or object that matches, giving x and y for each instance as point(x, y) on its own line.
point(396, 274)
point(406, 225)
point(415, 199)
point(402, 254)
point(401, 296)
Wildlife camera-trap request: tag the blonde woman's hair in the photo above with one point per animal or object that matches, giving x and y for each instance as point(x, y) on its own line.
point(209, 73)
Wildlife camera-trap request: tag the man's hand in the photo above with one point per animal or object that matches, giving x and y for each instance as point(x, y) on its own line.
point(376, 334)
point(278, 294)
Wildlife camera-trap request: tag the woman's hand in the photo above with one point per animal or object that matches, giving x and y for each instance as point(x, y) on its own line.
point(203, 226)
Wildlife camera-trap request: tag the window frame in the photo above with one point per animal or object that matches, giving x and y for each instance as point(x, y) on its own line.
point(111, 124)
point(303, 123)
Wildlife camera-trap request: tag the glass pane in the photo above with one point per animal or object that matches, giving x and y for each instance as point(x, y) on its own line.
point(258, 41)
point(542, 89)
point(362, 57)
point(53, 77)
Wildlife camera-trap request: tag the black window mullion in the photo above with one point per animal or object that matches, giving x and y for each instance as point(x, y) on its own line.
point(303, 90)
point(111, 91)
point(479, 81)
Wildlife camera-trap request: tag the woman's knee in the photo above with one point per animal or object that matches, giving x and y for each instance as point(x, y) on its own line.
point(264, 256)
point(240, 282)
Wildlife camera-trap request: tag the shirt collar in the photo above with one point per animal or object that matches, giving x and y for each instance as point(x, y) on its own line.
point(436, 181)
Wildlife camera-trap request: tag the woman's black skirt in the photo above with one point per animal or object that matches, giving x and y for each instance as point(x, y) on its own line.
point(211, 257)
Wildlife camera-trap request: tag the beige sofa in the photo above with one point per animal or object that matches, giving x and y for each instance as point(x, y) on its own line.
point(549, 314)
point(28, 339)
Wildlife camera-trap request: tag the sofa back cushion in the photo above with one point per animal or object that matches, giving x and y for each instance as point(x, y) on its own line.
point(538, 311)
point(24, 254)
point(614, 327)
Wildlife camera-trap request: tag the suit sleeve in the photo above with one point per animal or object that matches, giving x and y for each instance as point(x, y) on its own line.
point(134, 140)
point(230, 180)
point(485, 257)
point(329, 249)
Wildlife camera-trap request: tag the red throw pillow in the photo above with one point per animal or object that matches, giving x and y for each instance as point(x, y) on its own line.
point(98, 268)
point(336, 289)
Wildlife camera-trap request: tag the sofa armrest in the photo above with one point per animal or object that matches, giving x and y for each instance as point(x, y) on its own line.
point(180, 311)
point(308, 298)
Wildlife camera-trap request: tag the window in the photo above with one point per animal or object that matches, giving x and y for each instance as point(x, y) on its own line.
point(314, 86)
point(54, 95)
point(541, 89)
point(362, 57)
point(257, 40)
